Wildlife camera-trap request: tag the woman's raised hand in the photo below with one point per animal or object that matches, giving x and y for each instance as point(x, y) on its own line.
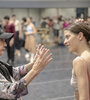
point(38, 51)
point(42, 58)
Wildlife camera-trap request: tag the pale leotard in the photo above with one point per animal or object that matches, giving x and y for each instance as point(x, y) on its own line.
point(74, 83)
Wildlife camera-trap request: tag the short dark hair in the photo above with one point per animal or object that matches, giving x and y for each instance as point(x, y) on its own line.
point(24, 19)
point(13, 15)
point(6, 17)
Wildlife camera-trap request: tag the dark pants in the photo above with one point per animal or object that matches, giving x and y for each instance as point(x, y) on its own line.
point(10, 51)
point(56, 32)
point(17, 41)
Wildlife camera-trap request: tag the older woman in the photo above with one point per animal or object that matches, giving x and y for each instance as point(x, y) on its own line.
point(77, 38)
point(14, 80)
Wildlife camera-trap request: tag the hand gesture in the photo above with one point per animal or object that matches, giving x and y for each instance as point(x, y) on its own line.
point(38, 51)
point(42, 58)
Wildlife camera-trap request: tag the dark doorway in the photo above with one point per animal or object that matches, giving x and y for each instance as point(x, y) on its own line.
point(82, 13)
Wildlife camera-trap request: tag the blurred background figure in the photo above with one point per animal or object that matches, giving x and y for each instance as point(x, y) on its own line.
point(10, 28)
point(1, 26)
point(18, 34)
point(56, 28)
point(24, 27)
point(61, 30)
point(30, 42)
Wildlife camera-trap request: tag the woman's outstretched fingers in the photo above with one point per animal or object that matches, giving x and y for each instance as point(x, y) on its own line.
point(42, 52)
point(39, 46)
point(48, 59)
point(42, 47)
point(46, 52)
point(39, 49)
